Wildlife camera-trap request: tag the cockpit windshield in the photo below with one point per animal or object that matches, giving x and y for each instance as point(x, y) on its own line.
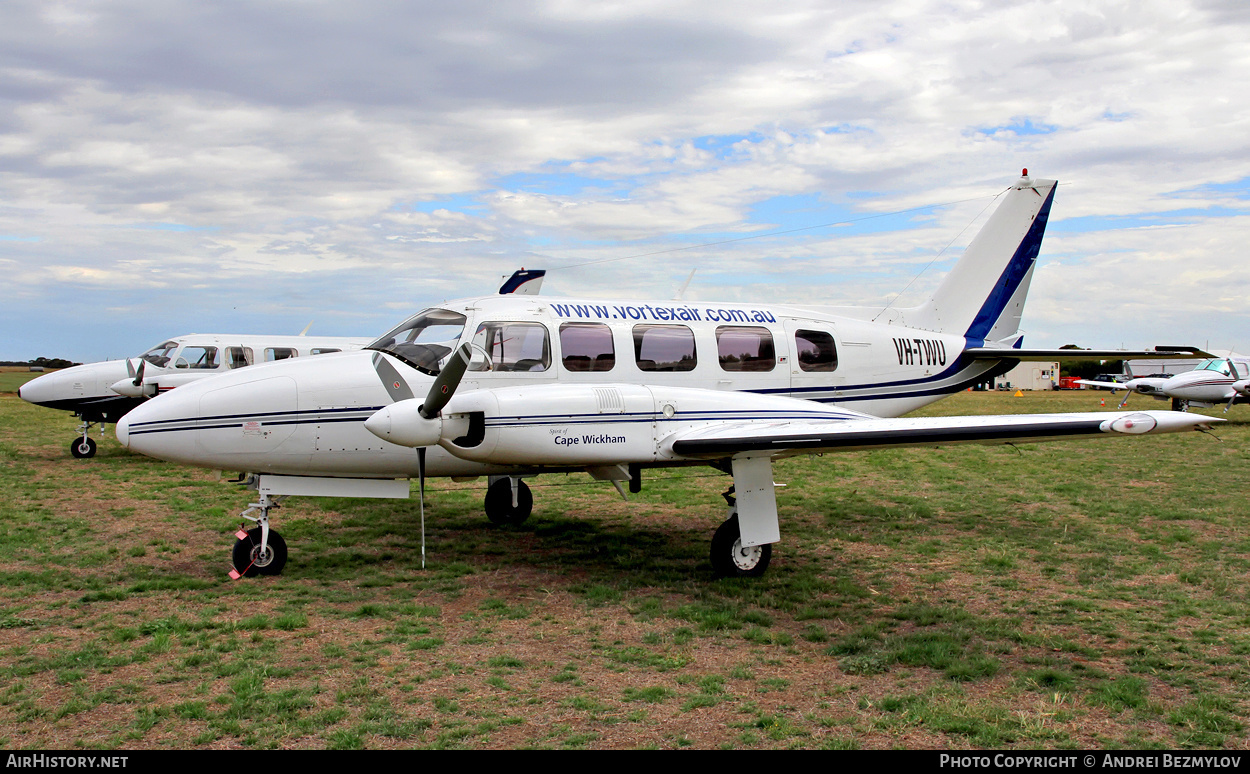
point(160, 354)
point(1219, 365)
point(424, 340)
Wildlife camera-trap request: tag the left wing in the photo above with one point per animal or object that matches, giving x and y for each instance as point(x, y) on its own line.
point(788, 438)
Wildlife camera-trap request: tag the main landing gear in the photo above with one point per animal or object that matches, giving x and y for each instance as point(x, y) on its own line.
point(260, 550)
point(508, 500)
point(730, 559)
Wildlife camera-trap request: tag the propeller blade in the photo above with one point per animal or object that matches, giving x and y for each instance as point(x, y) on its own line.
point(421, 476)
point(395, 385)
point(139, 372)
point(130, 368)
point(446, 382)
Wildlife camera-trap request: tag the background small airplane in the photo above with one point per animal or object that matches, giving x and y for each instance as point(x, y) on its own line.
point(1215, 381)
point(517, 386)
point(104, 392)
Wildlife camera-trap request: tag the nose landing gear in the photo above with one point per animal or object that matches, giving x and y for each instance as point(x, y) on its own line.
point(260, 550)
point(84, 448)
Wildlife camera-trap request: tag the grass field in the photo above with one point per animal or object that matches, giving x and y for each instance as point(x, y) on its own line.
point(1087, 594)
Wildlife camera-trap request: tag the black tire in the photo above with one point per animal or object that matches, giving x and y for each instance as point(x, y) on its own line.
point(248, 561)
point(82, 448)
point(499, 502)
point(731, 560)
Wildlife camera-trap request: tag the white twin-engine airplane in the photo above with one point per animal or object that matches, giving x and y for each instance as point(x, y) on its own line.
point(1214, 381)
point(515, 386)
point(104, 392)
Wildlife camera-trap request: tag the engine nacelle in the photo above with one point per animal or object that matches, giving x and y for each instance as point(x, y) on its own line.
point(553, 424)
point(586, 425)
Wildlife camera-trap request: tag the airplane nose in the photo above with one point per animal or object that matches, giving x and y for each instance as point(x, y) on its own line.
point(122, 429)
point(40, 389)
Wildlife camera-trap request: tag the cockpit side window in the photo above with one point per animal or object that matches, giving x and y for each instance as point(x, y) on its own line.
point(160, 354)
point(511, 346)
point(424, 340)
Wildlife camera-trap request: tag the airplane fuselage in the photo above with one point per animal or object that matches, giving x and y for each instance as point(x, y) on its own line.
point(760, 362)
point(1212, 382)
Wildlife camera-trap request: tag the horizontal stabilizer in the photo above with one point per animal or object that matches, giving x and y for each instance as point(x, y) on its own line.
point(1160, 353)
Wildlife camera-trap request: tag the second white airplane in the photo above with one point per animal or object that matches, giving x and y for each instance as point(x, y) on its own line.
point(511, 387)
point(104, 392)
point(1215, 381)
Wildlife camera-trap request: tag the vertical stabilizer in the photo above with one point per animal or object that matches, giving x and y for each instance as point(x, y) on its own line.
point(524, 282)
point(983, 296)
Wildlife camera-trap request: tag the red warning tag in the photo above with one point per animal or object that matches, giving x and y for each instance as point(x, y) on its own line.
point(234, 574)
point(241, 535)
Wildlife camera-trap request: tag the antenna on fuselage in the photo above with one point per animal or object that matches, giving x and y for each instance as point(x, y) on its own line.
point(941, 252)
point(681, 291)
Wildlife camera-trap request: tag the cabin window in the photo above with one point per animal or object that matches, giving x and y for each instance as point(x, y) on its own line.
point(745, 348)
point(324, 350)
point(160, 354)
point(587, 347)
point(816, 351)
point(280, 353)
point(197, 357)
point(511, 346)
point(664, 348)
point(238, 357)
point(424, 340)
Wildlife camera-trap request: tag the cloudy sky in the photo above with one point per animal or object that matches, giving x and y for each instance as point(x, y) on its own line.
point(249, 167)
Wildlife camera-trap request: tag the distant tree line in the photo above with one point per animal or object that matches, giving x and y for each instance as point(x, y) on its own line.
point(42, 362)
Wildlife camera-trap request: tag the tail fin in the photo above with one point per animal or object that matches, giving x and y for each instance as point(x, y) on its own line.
point(983, 296)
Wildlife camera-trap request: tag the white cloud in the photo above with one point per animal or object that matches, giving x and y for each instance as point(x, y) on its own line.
point(194, 159)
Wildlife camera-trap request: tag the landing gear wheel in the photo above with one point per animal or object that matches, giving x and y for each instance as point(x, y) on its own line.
point(499, 502)
point(731, 560)
point(250, 562)
point(1180, 404)
point(82, 448)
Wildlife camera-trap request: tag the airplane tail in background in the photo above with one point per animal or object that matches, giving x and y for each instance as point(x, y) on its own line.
point(983, 296)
